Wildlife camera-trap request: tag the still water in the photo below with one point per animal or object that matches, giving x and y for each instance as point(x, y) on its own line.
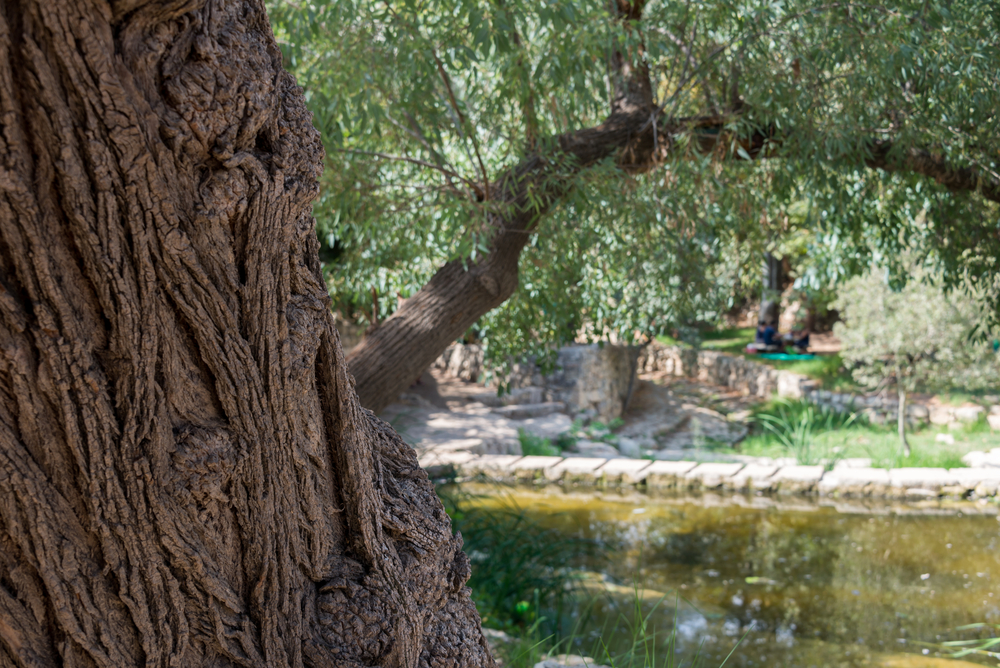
point(808, 585)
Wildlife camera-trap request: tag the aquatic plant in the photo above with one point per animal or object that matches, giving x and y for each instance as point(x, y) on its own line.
point(958, 649)
point(645, 646)
point(521, 572)
point(523, 577)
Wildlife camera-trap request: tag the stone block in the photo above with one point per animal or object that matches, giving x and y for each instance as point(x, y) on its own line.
point(987, 488)
point(666, 475)
point(918, 411)
point(624, 471)
point(525, 411)
point(533, 468)
point(853, 463)
point(994, 421)
point(916, 481)
point(749, 477)
point(970, 479)
point(577, 470)
point(586, 448)
point(710, 476)
point(628, 447)
point(796, 479)
point(854, 482)
point(969, 413)
point(941, 415)
point(517, 396)
point(790, 385)
point(497, 467)
point(447, 464)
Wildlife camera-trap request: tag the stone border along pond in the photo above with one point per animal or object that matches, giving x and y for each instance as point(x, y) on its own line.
point(906, 483)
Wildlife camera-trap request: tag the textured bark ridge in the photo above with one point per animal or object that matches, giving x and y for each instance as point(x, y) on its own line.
point(186, 475)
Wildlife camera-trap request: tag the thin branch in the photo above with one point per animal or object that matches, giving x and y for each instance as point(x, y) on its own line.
point(472, 133)
point(415, 161)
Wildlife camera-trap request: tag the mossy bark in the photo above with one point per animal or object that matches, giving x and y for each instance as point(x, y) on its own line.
point(186, 475)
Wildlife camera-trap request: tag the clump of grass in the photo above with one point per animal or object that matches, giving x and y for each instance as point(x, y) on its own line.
point(980, 426)
point(598, 431)
point(885, 454)
point(795, 425)
point(536, 445)
point(629, 640)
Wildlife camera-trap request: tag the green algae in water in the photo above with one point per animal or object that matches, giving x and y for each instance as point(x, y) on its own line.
point(814, 587)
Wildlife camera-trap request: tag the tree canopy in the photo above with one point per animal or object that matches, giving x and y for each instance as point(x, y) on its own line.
point(863, 128)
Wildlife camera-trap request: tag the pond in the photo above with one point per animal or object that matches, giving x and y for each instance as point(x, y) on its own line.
point(808, 585)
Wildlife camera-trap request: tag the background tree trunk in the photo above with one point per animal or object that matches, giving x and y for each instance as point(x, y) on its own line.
point(186, 475)
point(901, 421)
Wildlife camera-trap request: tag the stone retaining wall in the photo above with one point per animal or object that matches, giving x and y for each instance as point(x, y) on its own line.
point(757, 379)
point(906, 483)
point(592, 381)
point(595, 381)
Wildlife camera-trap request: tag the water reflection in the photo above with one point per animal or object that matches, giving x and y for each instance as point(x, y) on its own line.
point(810, 586)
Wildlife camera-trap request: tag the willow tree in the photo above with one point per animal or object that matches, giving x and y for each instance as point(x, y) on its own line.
point(616, 144)
point(186, 475)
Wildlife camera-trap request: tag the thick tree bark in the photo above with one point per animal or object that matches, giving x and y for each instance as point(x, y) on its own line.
point(186, 475)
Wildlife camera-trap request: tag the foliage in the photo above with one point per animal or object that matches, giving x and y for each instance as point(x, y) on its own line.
point(917, 336)
point(795, 424)
point(537, 445)
point(598, 431)
point(521, 572)
point(827, 437)
point(424, 105)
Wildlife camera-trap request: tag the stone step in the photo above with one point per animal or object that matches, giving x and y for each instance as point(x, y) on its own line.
point(625, 472)
point(846, 482)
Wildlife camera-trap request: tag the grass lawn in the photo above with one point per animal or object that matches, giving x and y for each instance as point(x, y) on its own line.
point(811, 435)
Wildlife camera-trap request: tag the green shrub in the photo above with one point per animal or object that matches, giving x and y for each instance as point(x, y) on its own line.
point(536, 445)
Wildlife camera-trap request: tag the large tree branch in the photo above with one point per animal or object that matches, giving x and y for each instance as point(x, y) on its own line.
point(924, 162)
point(403, 346)
point(638, 136)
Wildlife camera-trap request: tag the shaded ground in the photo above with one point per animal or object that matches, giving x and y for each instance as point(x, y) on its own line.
point(668, 417)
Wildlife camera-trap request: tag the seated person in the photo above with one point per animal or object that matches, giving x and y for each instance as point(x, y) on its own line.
point(766, 339)
point(799, 338)
point(801, 343)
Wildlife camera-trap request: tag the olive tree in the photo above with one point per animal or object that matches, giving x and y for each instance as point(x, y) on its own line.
point(914, 336)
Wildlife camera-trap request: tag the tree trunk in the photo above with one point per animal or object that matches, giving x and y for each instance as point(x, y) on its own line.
point(901, 421)
point(186, 475)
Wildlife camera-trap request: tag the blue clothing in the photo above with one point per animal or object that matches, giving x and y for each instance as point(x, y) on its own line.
point(768, 336)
